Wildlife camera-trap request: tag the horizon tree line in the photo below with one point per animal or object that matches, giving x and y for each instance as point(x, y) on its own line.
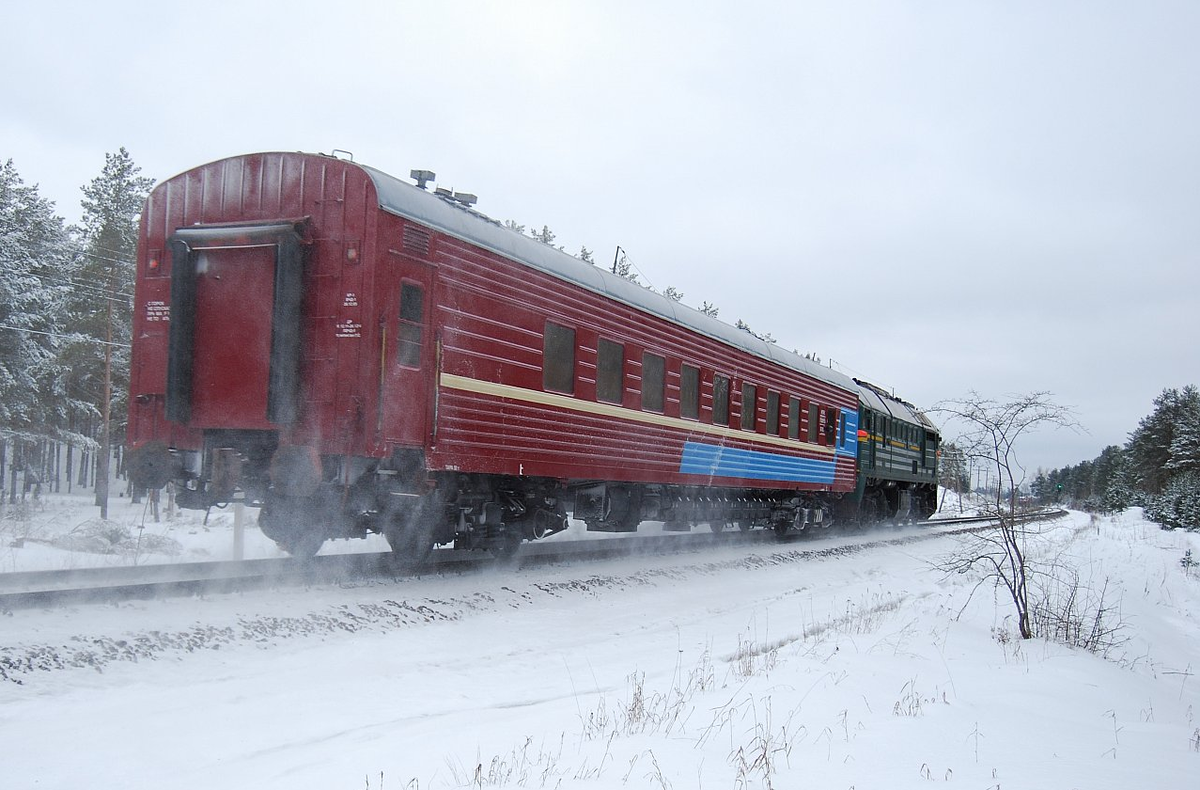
point(1158, 469)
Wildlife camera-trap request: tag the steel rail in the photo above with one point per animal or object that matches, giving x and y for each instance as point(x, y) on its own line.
point(46, 589)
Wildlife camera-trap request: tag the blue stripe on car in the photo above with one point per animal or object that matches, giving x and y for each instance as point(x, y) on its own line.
point(713, 460)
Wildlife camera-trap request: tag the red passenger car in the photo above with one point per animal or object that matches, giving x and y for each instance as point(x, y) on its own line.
point(356, 354)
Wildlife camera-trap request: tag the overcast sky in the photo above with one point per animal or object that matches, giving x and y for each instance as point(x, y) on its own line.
point(937, 195)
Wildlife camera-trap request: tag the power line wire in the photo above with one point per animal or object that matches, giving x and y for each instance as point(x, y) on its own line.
point(65, 337)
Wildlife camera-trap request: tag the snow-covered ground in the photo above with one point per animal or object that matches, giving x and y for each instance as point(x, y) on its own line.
point(739, 667)
point(64, 532)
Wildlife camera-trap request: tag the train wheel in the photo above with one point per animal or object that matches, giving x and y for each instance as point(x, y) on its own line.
point(304, 545)
point(874, 508)
point(507, 546)
point(409, 532)
point(289, 523)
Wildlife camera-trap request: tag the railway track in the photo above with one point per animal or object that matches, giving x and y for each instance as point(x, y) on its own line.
point(45, 589)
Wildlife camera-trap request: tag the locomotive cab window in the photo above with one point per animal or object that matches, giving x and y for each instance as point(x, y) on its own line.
point(610, 371)
point(412, 311)
point(720, 400)
point(689, 392)
point(654, 370)
point(558, 359)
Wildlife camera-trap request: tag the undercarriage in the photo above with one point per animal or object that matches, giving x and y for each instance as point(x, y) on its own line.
point(306, 499)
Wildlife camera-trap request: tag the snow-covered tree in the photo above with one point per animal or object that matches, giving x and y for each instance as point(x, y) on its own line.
point(545, 235)
point(953, 473)
point(1185, 444)
point(709, 309)
point(623, 267)
point(765, 336)
point(1179, 505)
point(101, 309)
point(1151, 445)
point(673, 293)
point(34, 250)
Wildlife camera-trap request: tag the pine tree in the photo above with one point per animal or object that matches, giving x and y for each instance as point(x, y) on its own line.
point(623, 267)
point(1179, 505)
point(1040, 487)
point(34, 249)
point(1150, 444)
point(764, 336)
point(102, 307)
point(674, 294)
point(1105, 470)
point(1185, 443)
point(545, 236)
point(709, 309)
point(1120, 493)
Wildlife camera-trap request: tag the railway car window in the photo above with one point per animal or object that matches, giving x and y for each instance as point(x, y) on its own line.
point(558, 359)
point(749, 406)
point(831, 421)
point(720, 400)
point(412, 310)
point(772, 413)
point(813, 415)
point(610, 371)
point(842, 440)
point(689, 392)
point(793, 418)
point(654, 370)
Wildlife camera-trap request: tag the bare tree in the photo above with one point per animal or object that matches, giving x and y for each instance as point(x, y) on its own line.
point(990, 431)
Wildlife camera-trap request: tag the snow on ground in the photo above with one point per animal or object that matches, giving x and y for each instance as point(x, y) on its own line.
point(65, 532)
point(739, 667)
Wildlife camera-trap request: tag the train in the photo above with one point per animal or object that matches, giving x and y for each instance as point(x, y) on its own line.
point(357, 354)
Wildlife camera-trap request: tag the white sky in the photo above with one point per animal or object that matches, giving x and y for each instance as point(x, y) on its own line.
point(940, 196)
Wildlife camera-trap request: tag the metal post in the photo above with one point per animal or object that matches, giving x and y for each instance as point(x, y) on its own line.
point(239, 530)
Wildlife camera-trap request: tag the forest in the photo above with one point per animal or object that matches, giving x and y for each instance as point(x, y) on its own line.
point(66, 301)
point(1158, 469)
